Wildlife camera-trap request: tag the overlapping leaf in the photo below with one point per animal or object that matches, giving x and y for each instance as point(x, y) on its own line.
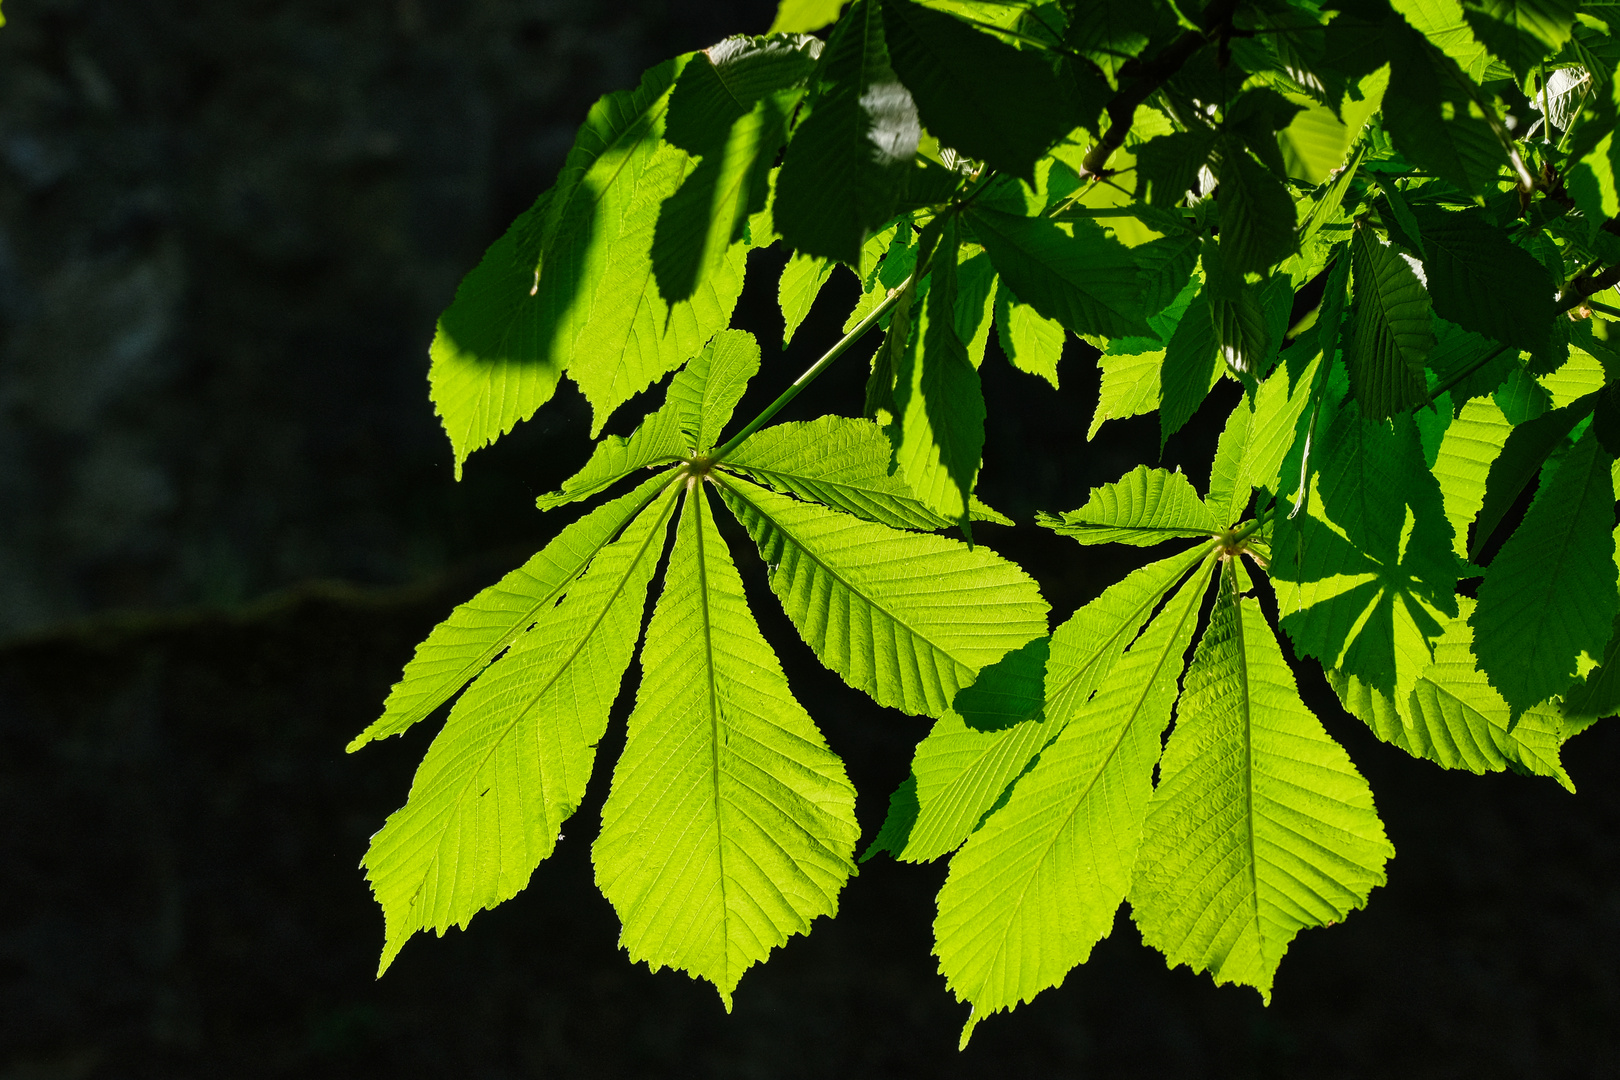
point(730, 825)
point(1260, 826)
point(909, 619)
point(1142, 508)
point(510, 766)
point(1037, 886)
point(1550, 594)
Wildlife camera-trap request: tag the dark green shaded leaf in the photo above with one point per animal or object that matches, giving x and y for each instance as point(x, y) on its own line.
point(1550, 594)
point(1521, 459)
point(1390, 332)
point(846, 166)
point(1257, 213)
point(974, 92)
point(1482, 281)
point(1073, 272)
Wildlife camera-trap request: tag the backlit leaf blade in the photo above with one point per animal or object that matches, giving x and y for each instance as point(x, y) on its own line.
point(489, 799)
point(1032, 343)
point(1550, 594)
point(1257, 213)
point(1366, 574)
point(1142, 508)
point(1260, 825)
point(1524, 450)
point(482, 628)
point(657, 440)
point(707, 390)
point(1018, 705)
point(1037, 886)
point(1432, 117)
point(801, 282)
point(493, 360)
point(1471, 443)
point(838, 462)
point(804, 16)
point(729, 110)
point(730, 825)
point(1521, 32)
point(1130, 387)
point(1454, 717)
point(907, 618)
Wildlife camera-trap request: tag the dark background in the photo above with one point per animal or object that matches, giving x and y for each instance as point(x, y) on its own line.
point(226, 516)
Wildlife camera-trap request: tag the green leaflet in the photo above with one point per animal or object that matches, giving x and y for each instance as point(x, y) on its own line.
point(838, 462)
point(1108, 32)
point(1037, 886)
point(1390, 332)
point(493, 360)
point(1435, 118)
point(489, 799)
point(1256, 439)
point(1032, 344)
point(1142, 508)
point(1072, 272)
point(1521, 32)
point(707, 391)
point(1526, 447)
point(976, 290)
point(1164, 267)
point(804, 16)
point(1167, 165)
point(1019, 704)
point(1482, 281)
point(481, 629)
point(1260, 826)
point(802, 279)
point(938, 426)
point(730, 825)
point(846, 166)
point(700, 401)
point(1455, 719)
point(908, 619)
point(1365, 574)
point(729, 110)
point(657, 440)
point(1316, 142)
point(1550, 594)
point(1130, 387)
point(1469, 446)
point(1257, 213)
point(974, 92)
point(1442, 22)
point(1189, 370)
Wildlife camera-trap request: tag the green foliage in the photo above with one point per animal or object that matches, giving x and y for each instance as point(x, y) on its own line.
point(1394, 224)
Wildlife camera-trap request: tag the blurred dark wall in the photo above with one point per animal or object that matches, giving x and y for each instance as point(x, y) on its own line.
point(226, 516)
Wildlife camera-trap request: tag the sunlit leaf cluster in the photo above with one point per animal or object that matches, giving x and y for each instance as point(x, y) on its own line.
point(1391, 223)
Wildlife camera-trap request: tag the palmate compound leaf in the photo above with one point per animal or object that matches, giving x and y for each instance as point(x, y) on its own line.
point(1550, 594)
point(1142, 508)
point(510, 766)
point(1260, 826)
point(482, 628)
point(1366, 573)
point(1037, 885)
point(1454, 718)
point(730, 824)
point(1019, 704)
point(569, 284)
point(908, 619)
